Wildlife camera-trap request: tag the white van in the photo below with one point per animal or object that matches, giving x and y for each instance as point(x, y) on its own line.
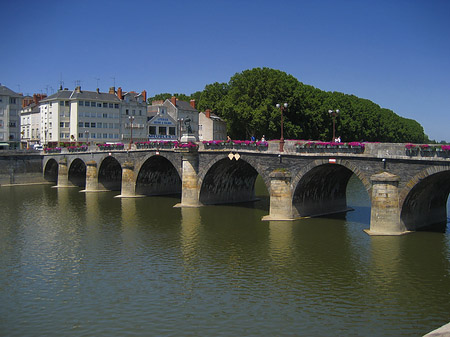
point(38, 147)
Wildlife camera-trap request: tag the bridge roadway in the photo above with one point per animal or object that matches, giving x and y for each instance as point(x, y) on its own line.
point(407, 192)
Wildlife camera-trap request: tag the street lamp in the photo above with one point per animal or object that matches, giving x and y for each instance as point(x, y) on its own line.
point(131, 118)
point(282, 108)
point(86, 133)
point(333, 114)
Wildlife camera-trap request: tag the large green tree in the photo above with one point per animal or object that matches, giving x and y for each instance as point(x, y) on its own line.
point(248, 104)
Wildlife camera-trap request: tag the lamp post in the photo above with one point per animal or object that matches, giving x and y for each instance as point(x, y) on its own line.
point(333, 114)
point(131, 118)
point(282, 108)
point(86, 133)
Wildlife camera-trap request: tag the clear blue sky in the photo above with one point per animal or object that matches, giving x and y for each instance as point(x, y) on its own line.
point(393, 52)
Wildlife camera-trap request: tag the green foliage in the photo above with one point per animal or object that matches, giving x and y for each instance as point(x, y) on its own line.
point(248, 104)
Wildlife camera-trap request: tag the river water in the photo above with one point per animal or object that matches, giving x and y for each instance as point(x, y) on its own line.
point(89, 264)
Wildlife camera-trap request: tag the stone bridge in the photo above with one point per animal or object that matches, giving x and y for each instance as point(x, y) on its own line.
point(408, 190)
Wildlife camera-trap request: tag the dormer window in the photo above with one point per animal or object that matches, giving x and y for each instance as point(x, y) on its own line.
point(162, 111)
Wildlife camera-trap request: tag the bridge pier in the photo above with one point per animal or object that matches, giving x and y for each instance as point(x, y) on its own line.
point(91, 177)
point(280, 197)
point(128, 189)
point(385, 210)
point(190, 189)
point(63, 174)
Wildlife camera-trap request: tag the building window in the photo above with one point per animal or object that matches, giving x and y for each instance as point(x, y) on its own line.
point(66, 124)
point(134, 112)
point(61, 124)
point(172, 130)
point(105, 105)
point(99, 105)
point(80, 103)
point(80, 124)
point(99, 125)
point(12, 100)
point(92, 125)
point(80, 135)
point(105, 135)
point(110, 105)
point(152, 130)
point(61, 103)
point(86, 124)
point(67, 103)
point(116, 106)
point(162, 130)
point(126, 112)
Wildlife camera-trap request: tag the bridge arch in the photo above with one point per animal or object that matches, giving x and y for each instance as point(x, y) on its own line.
point(228, 181)
point(320, 187)
point(77, 172)
point(110, 174)
point(158, 176)
point(423, 202)
point(51, 170)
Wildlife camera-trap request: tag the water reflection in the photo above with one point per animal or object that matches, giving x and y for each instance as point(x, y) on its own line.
point(281, 240)
point(190, 227)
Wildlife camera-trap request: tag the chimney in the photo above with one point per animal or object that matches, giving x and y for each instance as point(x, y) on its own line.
point(35, 99)
point(208, 113)
point(174, 100)
point(119, 93)
point(98, 90)
point(144, 96)
point(192, 103)
point(78, 89)
point(112, 90)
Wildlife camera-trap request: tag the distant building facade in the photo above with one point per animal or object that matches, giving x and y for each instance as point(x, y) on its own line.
point(30, 120)
point(211, 127)
point(166, 119)
point(10, 105)
point(92, 116)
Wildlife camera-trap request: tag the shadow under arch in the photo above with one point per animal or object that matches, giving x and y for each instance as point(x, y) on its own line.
point(158, 176)
point(77, 173)
point(228, 181)
point(424, 206)
point(51, 171)
point(321, 188)
point(110, 174)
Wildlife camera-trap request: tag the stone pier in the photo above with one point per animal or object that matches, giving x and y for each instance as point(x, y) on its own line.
point(385, 211)
point(280, 197)
point(190, 189)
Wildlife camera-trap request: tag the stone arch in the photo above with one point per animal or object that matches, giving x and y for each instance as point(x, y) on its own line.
point(77, 172)
point(51, 170)
point(227, 181)
point(251, 160)
point(110, 174)
point(320, 187)
point(423, 201)
point(158, 176)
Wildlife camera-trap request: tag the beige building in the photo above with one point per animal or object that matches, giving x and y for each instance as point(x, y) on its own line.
point(10, 105)
point(211, 127)
point(166, 119)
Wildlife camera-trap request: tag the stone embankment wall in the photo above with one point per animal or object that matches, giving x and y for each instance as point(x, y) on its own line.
point(20, 167)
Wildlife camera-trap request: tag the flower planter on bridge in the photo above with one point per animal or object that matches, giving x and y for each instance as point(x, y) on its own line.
point(52, 150)
point(329, 147)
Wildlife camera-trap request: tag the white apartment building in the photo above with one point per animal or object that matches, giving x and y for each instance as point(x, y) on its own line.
point(90, 116)
point(30, 120)
point(10, 104)
point(211, 127)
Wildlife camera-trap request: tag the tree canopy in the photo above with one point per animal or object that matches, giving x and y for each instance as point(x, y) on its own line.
point(248, 104)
